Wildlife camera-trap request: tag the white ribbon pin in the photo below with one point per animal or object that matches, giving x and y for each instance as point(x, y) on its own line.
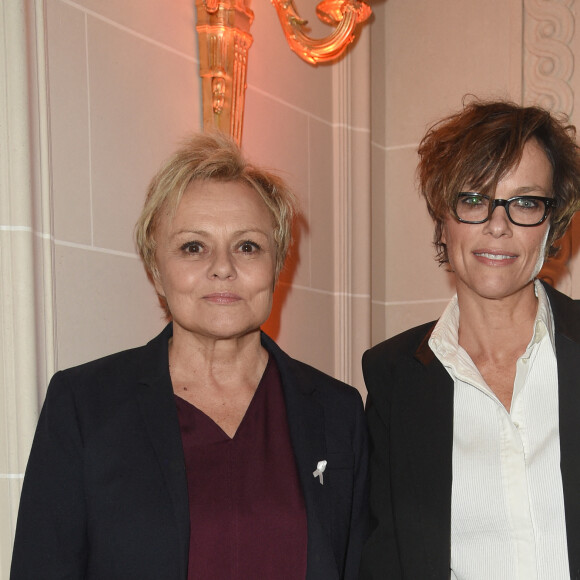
point(320, 467)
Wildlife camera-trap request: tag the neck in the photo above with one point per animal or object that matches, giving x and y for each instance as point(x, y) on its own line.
point(492, 327)
point(232, 360)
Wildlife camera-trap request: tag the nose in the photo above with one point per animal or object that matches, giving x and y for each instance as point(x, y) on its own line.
point(498, 223)
point(222, 266)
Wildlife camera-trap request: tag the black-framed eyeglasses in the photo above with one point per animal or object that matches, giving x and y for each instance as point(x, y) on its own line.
point(522, 210)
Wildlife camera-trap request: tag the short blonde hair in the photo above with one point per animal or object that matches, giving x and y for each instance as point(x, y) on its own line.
point(215, 157)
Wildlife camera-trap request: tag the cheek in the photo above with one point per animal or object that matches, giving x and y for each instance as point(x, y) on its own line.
point(264, 285)
point(540, 242)
point(259, 275)
point(449, 239)
point(173, 278)
point(541, 253)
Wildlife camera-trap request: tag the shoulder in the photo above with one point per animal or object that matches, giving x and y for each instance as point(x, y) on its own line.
point(309, 378)
point(324, 384)
point(559, 302)
point(566, 312)
point(105, 394)
point(395, 362)
point(402, 345)
point(105, 366)
point(116, 371)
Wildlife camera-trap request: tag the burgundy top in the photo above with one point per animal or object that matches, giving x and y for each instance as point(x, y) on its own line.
point(246, 508)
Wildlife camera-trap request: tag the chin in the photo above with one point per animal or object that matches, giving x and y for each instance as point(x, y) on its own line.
point(226, 332)
point(494, 287)
point(497, 292)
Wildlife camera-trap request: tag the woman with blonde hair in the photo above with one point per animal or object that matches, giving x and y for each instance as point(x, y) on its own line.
point(209, 452)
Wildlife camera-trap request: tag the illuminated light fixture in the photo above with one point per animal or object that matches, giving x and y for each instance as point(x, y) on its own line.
point(223, 28)
point(345, 15)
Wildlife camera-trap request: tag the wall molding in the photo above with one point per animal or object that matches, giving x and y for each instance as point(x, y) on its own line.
point(26, 281)
point(352, 211)
point(548, 57)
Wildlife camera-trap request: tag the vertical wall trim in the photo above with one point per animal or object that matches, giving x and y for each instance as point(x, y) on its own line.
point(516, 74)
point(26, 349)
point(352, 213)
point(46, 278)
point(342, 221)
point(548, 58)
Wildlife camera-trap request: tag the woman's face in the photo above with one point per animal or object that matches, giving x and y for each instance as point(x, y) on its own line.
point(216, 260)
point(498, 259)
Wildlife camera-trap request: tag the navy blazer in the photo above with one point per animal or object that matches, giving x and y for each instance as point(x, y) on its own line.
point(105, 491)
point(410, 417)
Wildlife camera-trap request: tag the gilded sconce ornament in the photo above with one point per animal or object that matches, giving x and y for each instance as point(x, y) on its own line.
point(224, 37)
point(344, 15)
point(223, 28)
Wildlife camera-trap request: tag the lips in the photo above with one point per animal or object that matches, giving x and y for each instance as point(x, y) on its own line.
point(222, 298)
point(494, 256)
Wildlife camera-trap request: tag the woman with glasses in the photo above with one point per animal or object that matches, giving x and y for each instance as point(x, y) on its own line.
point(475, 419)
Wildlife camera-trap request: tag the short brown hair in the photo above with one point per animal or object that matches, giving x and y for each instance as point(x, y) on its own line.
point(478, 146)
point(215, 157)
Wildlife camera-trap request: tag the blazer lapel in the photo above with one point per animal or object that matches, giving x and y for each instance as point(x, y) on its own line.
point(569, 403)
point(306, 424)
point(160, 416)
point(425, 416)
point(566, 314)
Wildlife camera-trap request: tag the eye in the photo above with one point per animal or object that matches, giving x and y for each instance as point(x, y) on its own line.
point(472, 200)
point(526, 203)
point(192, 247)
point(249, 247)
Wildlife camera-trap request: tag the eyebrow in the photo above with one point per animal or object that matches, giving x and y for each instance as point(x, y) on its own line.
point(528, 189)
point(234, 234)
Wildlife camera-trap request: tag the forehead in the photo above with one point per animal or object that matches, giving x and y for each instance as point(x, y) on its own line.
point(224, 202)
point(534, 170)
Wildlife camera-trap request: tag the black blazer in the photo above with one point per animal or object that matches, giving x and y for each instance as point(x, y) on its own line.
point(410, 417)
point(105, 491)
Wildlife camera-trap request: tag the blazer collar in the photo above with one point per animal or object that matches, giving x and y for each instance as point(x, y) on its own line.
point(307, 433)
point(566, 314)
point(425, 409)
point(305, 413)
point(424, 354)
point(162, 424)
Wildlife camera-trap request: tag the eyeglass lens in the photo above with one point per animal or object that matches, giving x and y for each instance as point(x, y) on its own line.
point(523, 210)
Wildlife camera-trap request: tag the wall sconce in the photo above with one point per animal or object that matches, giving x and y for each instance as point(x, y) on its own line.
point(224, 38)
point(344, 15)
